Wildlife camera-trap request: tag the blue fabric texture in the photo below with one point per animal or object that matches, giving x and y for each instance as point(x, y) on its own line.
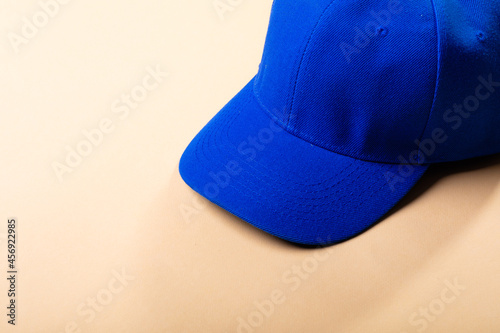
point(353, 100)
point(246, 163)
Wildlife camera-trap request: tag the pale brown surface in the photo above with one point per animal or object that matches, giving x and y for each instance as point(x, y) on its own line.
point(120, 209)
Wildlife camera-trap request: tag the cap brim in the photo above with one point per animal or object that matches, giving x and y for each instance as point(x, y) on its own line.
point(290, 188)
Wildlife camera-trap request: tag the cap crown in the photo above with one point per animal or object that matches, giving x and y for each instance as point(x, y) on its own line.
point(377, 80)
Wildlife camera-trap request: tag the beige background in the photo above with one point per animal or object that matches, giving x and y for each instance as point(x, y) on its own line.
point(121, 244)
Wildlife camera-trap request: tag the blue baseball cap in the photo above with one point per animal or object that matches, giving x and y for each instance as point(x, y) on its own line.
point(352, 103)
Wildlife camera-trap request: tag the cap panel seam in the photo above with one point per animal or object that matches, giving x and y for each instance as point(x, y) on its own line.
point(438, 75)
point(302, 60)
point(368, 158)
point(304, 137)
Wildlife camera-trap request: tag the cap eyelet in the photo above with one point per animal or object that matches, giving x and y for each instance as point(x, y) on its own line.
point(481, 36)
point(382, 31)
